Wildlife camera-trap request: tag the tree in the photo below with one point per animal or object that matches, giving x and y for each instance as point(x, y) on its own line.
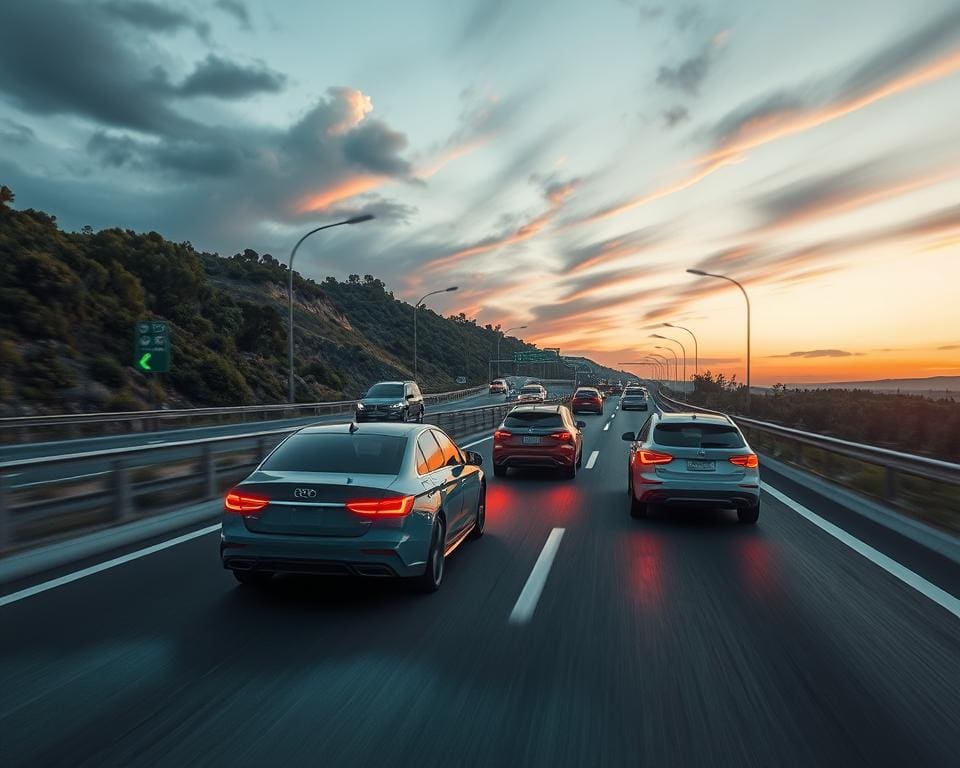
point(6, 196)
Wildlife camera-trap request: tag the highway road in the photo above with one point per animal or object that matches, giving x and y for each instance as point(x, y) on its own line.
point(681, 640)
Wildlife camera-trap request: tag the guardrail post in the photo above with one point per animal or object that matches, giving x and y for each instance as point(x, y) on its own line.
point(891, 483)
point(4, 521)
point(121, 487)
point(209, 462)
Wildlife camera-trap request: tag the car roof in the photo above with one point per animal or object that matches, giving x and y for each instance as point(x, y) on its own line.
point(369, 428)
point(392, 382)
point(536, 407)
point(687, 416)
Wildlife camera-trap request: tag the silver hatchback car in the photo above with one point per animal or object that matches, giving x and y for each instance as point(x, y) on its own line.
point(368, 500)
point(692, 458)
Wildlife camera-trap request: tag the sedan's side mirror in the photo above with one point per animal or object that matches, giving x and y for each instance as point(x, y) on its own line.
point(630, 437)
point(411, 397)
point(581, 425)
point(474, 458)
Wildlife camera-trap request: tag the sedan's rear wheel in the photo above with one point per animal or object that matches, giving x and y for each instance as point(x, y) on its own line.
point(569, 473)
point(499, 470)
point(432, 575)
point(481, 517)
point(638, 510)
point(749, 515)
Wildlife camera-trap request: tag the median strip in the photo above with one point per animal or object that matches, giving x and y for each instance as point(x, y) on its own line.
point(530, 595)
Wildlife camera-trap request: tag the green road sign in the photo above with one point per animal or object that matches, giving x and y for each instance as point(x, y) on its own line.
point(535, 357)
point(151, 346)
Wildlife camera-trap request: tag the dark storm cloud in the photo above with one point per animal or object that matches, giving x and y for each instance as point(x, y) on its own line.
point(94, 74)
point(885, 64)
point(688, 75)
point(184, 158)
point(675, 115)
point(225, 79)
point(376, 147)
point(154, 17)
point(236, 9)
point(12, 132)
point(821, 353)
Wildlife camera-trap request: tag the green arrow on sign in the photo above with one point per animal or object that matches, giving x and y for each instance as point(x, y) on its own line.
point(145, 361)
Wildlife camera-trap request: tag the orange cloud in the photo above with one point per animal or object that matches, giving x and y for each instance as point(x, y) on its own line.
point(340, 191)
point(451, 154)
point(764, 130)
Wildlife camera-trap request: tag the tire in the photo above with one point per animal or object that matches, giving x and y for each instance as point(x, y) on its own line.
point(431, 578)
point(253, 578)
point(481, 518)
point(580, 459)
point(499, 471)
point(420, 416)
point(569, 473)
point(638, 510)
point(748, 515)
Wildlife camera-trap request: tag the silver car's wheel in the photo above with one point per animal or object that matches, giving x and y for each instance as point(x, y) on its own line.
point(432, 575)
point(481, 518)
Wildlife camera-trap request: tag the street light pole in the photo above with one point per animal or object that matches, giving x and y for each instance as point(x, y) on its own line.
point(503, 335)
point(696, 350)
point(746, 298)
point(676, 359)
point(353, 220)
point(416, 308)
point(664, 363)
point(682, 348)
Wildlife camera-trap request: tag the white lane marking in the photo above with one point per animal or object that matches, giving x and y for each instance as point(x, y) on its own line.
point(592, 460)
point(530, 595)
point(613, 415)
point(477, 442)
point(606, 426)
point(891, 566)
point(13, 597)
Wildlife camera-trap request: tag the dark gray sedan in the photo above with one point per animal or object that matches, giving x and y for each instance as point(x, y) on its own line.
point(368, 500)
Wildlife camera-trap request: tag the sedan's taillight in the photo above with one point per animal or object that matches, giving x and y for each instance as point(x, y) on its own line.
point(243, 503)
point(393, 506)
point(653, 457)
point(502, 434)
point(749, 461)
point(564, 436)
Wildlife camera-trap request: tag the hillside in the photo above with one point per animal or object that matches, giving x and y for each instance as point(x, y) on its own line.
point(931, 385)
point(69, 300)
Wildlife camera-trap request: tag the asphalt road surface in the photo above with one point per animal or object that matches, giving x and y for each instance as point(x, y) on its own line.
point(684, 639)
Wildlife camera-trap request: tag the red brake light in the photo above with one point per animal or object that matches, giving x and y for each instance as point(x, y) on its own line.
point(653, 457)
point(565, 436)
point(393, 506)
point(245, 503)
point(500, 434)
point(749, 461)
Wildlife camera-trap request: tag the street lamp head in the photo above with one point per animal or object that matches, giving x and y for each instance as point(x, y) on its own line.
point(452, 288)
point(360, 219)
point(697, 272)
point(657, 336)
point(670, 325)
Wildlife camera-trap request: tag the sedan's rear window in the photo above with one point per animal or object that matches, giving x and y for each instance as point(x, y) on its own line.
point(357, 454)
point(697, 435)
point(530, 390)
point(533, 419)
point(586, 393)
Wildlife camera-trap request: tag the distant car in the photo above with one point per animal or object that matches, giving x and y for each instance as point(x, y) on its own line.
point(692, 458)
point(461, 379)
point(634, 398)
point(498, 387)
point(391, 401)
point(340, 499)
point(532, 393)
point(587, 399)
point(538, 436)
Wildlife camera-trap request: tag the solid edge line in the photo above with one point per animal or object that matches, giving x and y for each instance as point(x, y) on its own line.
point(477, 442)
point(84, 572)
point(910, 578)
point(530, 595)
point(592, 460)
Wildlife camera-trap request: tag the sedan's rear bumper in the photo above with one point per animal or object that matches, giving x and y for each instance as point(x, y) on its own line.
point(400, 551)
point(628, 406)
point(379, 416)
point(718, 495)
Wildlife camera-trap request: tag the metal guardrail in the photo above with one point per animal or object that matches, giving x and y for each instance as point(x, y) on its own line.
point(893, 462)
point(117, 485)
point(22, 428)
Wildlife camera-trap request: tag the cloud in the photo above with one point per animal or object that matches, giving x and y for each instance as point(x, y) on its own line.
point(675, 115)
point(237, 9)
point(154, 17)
point(225, 79)
point(184, 158)
point(821, 353)
point(688, 75)
point(612, 249)
point(946, 347)
point(484, 17)
point(12, 132)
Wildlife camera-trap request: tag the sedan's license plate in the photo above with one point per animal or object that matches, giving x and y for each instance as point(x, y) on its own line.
point(701, 465)
point(531, 441)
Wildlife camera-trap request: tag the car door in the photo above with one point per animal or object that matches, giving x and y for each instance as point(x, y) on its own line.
point(460, 485)
point(416, 405)
point(442, 478)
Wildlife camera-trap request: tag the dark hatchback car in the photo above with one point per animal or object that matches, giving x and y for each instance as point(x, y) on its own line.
point(341, 499)
point(538, 436)
point(391, 401)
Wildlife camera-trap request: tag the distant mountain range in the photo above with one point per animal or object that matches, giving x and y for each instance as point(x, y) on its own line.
point(929, 385)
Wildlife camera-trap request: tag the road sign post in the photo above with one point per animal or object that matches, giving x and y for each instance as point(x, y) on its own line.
point(151, 346)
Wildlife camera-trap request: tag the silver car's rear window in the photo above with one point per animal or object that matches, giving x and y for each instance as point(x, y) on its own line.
point(697, 435)
point(345, 454)
point(533, 419)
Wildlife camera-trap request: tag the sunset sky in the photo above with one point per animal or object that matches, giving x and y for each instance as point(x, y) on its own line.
point(562, 162)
